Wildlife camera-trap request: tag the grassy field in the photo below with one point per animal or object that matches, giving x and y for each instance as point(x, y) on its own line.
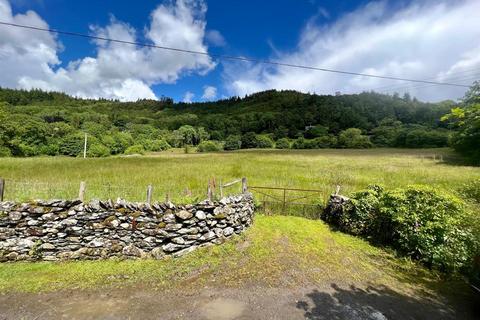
point(183, 174)
point(275, 252)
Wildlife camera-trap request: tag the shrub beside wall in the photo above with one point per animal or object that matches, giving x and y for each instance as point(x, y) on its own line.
point(62, 230)
point(417, 221)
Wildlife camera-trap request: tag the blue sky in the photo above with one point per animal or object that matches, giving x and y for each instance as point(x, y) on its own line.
point(435, 40)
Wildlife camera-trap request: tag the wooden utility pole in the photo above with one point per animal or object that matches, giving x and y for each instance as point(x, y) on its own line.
point(85, 147)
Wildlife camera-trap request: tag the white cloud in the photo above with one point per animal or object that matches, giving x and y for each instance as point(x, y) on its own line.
point(214, 37)
point(188, 97)
point(431, 39)
point(29, 59)
point(324, 13)
point(209, 93)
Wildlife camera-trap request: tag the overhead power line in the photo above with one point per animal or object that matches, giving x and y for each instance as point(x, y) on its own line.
point(228, 57)
point(453, 76)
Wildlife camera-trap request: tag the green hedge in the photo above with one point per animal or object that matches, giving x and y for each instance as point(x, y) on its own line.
point(209, 146)
point(420, 222)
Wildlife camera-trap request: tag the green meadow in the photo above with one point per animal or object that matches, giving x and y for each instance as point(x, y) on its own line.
point(184, 177)
point(277, 251)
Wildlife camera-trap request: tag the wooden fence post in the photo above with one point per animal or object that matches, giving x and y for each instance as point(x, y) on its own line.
point(2, 188)
point(244, 185)
point(221, 188)
point(337, 191)
point(149, 193)
point(81, 192)
point(209, 190)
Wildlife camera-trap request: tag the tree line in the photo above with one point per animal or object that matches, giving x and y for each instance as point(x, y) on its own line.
point(35, 122)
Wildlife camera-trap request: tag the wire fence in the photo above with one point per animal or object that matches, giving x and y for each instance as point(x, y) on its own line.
point(17, 190)
point(307, 203)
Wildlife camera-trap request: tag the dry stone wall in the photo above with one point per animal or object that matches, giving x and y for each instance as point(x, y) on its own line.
point(68, 230)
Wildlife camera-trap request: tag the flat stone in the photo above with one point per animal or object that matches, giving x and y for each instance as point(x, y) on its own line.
point(169, 218)
point(184, 251)
point(173, 227)
point(157, 253)
point(170, 247)
point(178, 240)
point(96, 243)
point(208, 236)
point(228, 231)
point(132, 250)
point(69, 222)
point(184, 214)
point(15, 216)
point(200, 215)
point(47, 247)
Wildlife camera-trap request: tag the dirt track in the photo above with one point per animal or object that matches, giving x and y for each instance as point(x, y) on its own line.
point(329, 302)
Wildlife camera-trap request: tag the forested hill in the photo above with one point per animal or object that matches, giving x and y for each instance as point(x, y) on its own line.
point(36, 122)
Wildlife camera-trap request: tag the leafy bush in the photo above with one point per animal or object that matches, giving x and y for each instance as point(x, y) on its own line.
point(5, 152)
point(233, 142)
point(249, 140)
point(282, 143)
point(363, 212)
point(97, 150)
point(422, 138)
point(472, 190)
point(209, 146)
point(353, 138)
point(135, 149)
point(263, 141)
point(72, 145)
point(427, 226)
point(155, 145)
point(418, 221)
point(49, 149)
point(329, 141)
point(299, 143)
point(28, 150)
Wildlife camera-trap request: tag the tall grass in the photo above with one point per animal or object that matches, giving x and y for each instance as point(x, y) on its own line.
point(184, 176)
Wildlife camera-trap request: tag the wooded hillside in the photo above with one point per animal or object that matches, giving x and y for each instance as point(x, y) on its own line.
point(36, 122)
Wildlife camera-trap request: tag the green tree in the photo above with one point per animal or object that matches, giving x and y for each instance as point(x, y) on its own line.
point(188, 134)
point(263, 141)
point(209, 146)
point(353, 138)
point(135, 149)
point(249, 140)
point(233, 142)
point(282, 143)
point(466, 119)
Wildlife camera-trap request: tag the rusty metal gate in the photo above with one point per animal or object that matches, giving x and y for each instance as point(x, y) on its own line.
point(307, 203)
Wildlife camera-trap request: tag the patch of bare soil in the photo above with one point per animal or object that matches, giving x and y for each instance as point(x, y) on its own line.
point(329, 302)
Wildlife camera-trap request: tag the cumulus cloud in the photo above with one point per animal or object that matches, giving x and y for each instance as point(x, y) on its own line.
point(119, 71)
point(209, 93)
point(436, 40)
point(214, 37)
point(188, 97)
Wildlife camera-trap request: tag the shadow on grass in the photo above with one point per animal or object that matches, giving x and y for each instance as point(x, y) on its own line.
point(379, 302)
point(457, 160)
